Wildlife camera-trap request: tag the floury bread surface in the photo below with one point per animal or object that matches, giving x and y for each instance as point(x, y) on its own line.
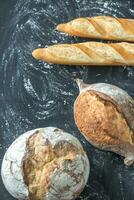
point(104, 114)
point(45, 163)
point(88, 53)
point(100, 27)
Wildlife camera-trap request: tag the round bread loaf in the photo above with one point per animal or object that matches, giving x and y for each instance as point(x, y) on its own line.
point(45, 163)
point(104, 114)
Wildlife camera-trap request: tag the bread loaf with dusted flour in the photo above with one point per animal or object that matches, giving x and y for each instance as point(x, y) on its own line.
point(100, 27)
point(104, 114)
point(45, 163)
point(88, 53)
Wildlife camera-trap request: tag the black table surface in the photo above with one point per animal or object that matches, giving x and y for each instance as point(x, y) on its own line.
point(36, 94)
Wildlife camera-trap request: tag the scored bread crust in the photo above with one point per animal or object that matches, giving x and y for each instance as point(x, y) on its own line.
point(101, 27)
point(104, 114)
point(65, 173)
point(98, 104)
point(103, 124)
point(88, 53)
point(124, 103)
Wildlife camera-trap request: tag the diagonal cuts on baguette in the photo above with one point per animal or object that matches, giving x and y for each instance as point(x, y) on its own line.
point(88, 53)
point(100, 27)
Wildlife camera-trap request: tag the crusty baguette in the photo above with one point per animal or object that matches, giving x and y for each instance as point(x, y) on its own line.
point(88, 53)
point(101, 27)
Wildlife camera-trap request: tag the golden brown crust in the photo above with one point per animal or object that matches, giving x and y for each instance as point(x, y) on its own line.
point(88, 53)
point(41, 162)
point(102, 27)
point(100, 121)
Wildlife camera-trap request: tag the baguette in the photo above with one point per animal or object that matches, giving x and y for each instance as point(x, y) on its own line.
point(101, 27)
point(88, 53)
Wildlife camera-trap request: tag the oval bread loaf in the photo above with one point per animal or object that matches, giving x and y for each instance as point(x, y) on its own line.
point(104, 114)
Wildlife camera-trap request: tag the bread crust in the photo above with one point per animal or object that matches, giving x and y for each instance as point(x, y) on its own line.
point(45, 163)
point(100, 27)
point(88, 53)
point(104, 115)
point(123, 102)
